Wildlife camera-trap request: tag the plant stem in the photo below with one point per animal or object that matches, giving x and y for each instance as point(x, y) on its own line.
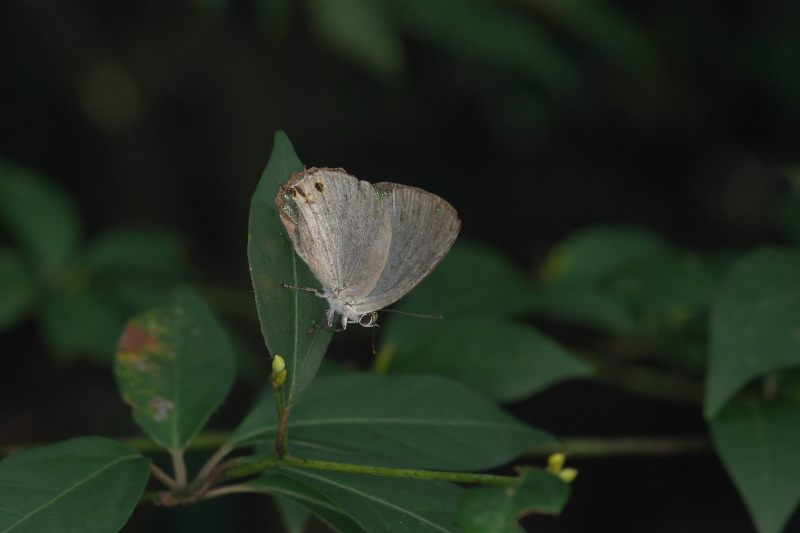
point(639, 379)
point(181, 476)
point(212, 462)
point(162, 476)
point(255, 467)
point(282, 436)
point(598, 448)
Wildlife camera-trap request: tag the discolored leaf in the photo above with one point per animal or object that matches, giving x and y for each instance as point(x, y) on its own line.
point(85, 484)
point(286, 315)
point(174, 366)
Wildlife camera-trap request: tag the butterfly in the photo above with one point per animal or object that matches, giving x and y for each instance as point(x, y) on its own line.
point(368, 245)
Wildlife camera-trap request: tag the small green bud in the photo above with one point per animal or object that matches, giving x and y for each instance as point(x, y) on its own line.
point(278, 364)
point(279, 378)
point(555, 463)
point(568, 474)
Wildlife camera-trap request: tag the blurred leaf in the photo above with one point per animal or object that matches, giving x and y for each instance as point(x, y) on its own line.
point(286, 315)
point(606, 29)
point(472, 279)
point(387, 504)
point(499, 37)
point(361, 31)
point(308, 497)
point(666, 291)
point(584, 304)
point(136, 253)
point(755, 323)
point(497, 509)
point(276, 16)
point(790, 216)
point(494, 356)
point(293, 515)
point(86, 484)
point(81, 323)
point(17, 288)
point(39, 215)
point(412, 421)
point(174, 367)
point(213, 7)
point(591, 254)
point(758, 444)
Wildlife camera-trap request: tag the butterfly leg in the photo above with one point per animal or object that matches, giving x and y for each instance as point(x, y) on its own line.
point(319, 293)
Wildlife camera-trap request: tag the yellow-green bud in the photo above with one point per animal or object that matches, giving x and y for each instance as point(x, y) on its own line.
point(568, 474)
point(555, 463)
point(278, 364)
point(279, 378)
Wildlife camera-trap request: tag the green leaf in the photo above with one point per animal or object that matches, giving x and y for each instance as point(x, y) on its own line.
point(755, 323)
point(81, 323)
point(17, 288)
point(594, 253)
point(137, 253)
point(758, 443)
point(387, 504)
point(174, 366)
point(85, 484)
point(286, 315)
point(472, 279)
point(40, 216)
point(309, 498)
point(497, 509)
point(499, 358)
point(584, 304)
point(607, 30)
point(666, 292)
point(361, 31)
point(293, 515)
point(404, 421)
point(494, 36)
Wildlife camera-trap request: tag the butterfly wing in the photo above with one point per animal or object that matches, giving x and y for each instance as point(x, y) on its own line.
point(424, 228)
point(338, 228)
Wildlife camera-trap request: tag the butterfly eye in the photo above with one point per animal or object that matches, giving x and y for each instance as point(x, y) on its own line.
point(368, 319)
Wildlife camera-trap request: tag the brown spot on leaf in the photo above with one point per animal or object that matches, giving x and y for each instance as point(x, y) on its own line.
point(134, 338)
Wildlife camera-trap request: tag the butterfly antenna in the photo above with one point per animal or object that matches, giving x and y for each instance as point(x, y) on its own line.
point(410, 314)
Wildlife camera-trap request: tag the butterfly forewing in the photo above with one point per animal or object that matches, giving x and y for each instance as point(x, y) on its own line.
point(339, 229)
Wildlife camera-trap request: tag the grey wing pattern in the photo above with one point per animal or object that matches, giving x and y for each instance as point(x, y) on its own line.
point(338, 229)
point(424, 228)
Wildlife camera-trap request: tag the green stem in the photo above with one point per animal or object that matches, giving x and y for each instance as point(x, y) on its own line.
point(639, 379)
point(574, 447)
point(599, 448)
point(250, 468)
point(282, 436)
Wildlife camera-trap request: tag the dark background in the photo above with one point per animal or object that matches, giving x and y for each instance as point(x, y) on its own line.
point(533, 118)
